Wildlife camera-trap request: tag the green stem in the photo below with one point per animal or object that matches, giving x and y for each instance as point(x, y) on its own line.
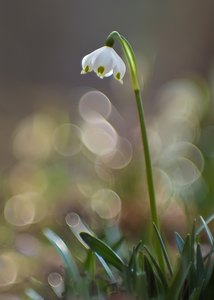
point(129, 54)
point(149, 175)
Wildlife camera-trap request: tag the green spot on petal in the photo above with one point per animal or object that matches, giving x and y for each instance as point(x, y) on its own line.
point(86, 69)
point(118, 76)
point(100, 70)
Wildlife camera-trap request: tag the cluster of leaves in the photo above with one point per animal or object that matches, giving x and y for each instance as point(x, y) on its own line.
point(140, 276)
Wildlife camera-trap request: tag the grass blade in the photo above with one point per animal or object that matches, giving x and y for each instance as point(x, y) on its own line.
point(179, 242)
point(196, 294)
point(152, 280)
point(132, 260)
point(64, 253)
point(192, 279)
point(158, 270)
point(141, 286)
point(90, 262)
point(199, 264)
point(200, 229)
point(169, 266)
point(208, 270)
point(134, 268)
point(106, 268)
point(207, 230)
point(104, 251)
point(182, 272)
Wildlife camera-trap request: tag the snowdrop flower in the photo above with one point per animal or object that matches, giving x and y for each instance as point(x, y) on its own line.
point(104, 61)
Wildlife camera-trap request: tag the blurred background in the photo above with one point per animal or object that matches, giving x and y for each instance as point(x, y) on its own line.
point(70, 143)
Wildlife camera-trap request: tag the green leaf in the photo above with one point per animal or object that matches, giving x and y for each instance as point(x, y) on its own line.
point(165, 254)
point(158, 270)
point(152, 282)
point(132, 261)
point(201, 228)
point(141, 286)
point(196, 294)
point(104, 251)
point(192, 240)
point(177, 286)
point(192, 257)
point(90, 261)
point(207, 230)
point(199, 264)
point(208, 269)
point(106, 268)
point(179, 242)
point(183, 269)
point(134, 268)
point(90, 265)
point(64, 253)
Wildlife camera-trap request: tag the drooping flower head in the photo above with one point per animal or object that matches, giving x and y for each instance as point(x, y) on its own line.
point(104, 62)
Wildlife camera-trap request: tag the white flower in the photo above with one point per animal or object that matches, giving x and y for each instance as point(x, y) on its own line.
point(104, 61)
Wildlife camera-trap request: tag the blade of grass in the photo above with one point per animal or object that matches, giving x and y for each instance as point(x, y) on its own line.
point(199, 264)
point(132, 260)
point(196, 294)
point(104, 251)
point(208, 269)
point(165, 254)
point(183, 269)
point(176, 288)
point(106, 268)
point(134, 269)
point(179, 242)
point(193, 242)
point(158, 270)
point(76, 231)
point(207, 230)
point(192, 279)
point(89, 264)
point(201, 228)
point(141, 286)
point(64, 253)
point(152, 279)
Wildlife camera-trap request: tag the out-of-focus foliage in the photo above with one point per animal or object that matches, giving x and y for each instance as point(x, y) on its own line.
point(139, 276)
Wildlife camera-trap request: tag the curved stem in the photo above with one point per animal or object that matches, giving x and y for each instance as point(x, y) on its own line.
point(129, 54)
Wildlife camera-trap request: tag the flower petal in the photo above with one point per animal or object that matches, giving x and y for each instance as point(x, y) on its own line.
point(87, 61)
point(109, 73)
point(119, 69)
point(103, 63)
